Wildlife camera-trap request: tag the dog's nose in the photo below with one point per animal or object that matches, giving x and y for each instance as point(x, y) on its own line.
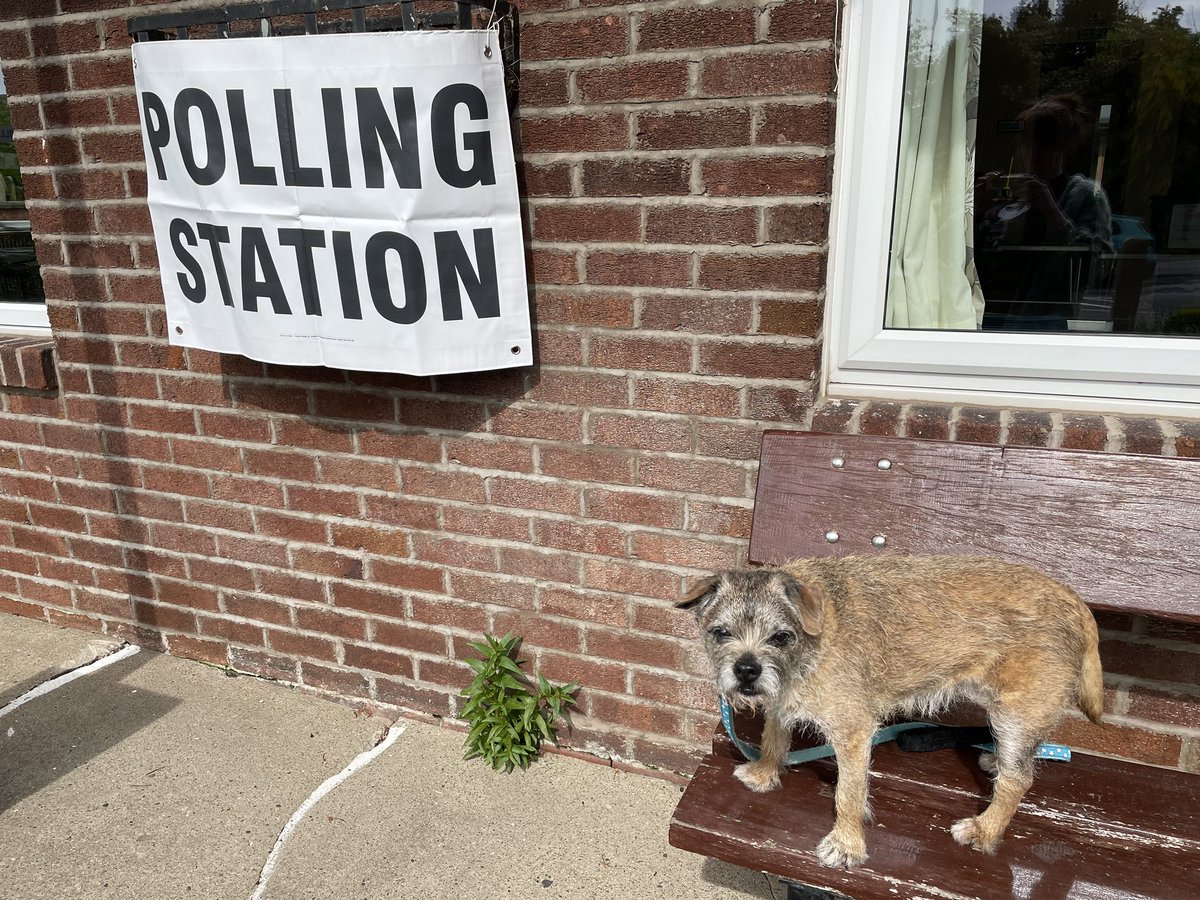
point(747, 669)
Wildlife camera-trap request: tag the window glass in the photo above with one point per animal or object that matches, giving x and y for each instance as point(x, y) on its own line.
point(1048, 174)
point(20, 279)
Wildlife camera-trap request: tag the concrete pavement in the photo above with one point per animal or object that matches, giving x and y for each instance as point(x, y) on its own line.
point(155, 777)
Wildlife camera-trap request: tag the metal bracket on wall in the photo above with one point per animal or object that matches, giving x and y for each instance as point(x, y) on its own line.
point(281, 18)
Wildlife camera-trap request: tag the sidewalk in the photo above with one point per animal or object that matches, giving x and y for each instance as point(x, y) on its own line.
point(155, 777)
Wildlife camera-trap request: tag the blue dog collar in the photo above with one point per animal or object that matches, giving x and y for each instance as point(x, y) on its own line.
point(882, 736)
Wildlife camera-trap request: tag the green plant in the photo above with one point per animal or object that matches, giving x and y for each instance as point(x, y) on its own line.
point(508, 718)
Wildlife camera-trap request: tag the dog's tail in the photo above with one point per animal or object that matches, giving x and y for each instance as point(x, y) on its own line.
point(1091, 677)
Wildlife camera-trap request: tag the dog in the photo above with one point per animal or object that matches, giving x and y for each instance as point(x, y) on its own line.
point(845, 644)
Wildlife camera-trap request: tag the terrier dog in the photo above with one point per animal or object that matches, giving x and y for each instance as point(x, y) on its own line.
point(844, 644)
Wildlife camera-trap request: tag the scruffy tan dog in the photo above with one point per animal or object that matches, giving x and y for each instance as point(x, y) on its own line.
point(844, 644)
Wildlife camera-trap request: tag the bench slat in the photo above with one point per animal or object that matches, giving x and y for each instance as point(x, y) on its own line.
point(1123, 530)
point(1090, 829)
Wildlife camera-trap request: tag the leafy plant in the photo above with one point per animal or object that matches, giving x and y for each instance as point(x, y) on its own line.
point(509, 718)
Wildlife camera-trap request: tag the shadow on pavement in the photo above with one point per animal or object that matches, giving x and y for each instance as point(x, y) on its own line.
point(55, 734)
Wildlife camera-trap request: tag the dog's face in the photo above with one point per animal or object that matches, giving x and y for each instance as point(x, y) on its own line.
point(759, 627)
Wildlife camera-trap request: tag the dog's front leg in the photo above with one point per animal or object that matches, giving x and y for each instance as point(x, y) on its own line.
point(763, 774)
point(846, 845)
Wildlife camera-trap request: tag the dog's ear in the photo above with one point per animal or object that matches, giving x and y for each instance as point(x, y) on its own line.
point(702, 593)
point(809, 600)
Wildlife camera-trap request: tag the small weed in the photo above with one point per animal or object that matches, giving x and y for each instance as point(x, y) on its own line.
point(508, 718)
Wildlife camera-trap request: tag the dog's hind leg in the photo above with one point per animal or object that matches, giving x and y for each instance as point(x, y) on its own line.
point(1016, 740)
point(846, 845)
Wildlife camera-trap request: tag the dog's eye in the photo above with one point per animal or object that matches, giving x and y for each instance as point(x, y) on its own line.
point(781, 639)
point(720, 634)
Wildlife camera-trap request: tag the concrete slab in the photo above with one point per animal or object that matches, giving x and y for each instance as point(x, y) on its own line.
point(422, 822)
point(159, 777)
point(32, 652)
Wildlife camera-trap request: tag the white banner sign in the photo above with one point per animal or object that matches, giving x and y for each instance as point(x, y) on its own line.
point(339, 200)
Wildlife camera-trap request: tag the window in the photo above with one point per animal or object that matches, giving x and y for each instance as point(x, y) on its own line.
point(22, 301)
point(1017, 204)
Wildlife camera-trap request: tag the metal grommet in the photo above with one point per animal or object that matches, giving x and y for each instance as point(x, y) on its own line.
point(884, 464)
point(179, 329)
point(487, 51)
point(831, 536)
point(516, 350)
point(879, 540)
point(837, 462)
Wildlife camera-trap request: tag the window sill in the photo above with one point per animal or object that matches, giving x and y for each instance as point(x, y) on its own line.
point(27, 363)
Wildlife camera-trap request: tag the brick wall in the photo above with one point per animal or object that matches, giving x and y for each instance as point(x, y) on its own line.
point(353, 531)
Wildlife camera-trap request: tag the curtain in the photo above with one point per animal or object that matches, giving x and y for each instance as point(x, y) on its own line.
point(931, 273)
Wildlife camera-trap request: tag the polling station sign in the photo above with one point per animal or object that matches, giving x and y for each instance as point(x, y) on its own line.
point(340, 200)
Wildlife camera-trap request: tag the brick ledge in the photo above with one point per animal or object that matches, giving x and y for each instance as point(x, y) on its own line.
point(27, 362)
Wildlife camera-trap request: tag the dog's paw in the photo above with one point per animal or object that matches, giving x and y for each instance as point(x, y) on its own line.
point(969, 833)
point(757, 777)
point(839, 851)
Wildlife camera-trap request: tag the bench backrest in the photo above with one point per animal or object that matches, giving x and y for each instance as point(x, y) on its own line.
point(1122, 530)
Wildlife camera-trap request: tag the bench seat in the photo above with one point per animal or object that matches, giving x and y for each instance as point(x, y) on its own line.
point(1088, 829)
point(1120, 529)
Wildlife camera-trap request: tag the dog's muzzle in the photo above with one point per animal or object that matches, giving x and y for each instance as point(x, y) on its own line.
point(747, 671)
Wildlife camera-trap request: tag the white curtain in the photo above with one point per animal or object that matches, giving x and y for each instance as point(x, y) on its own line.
point(931, 276)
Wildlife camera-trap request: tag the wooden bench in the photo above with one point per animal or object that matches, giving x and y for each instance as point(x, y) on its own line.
point(1124, 531)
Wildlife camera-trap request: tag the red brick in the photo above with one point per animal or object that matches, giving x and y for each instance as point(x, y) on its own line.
point(928, 423)
point(544, 180)
point(673, 551)
point(698, 312)
point(789, 317)
point(1142, 436)
point(538, 630)
point(501, 591)
point(166, 617)
point(544, 87)
point(809, 123)
point(610, 309)
point(635, 508)
point(629, 713)
point(880, 418)
point(660, 80)
point(65, 39)
point(533, 422)
point(587, 464)
point(486, 523)
point(100, 73)
point(401, 512)
point(1032, 429)
point(574, 133)
point(693, 693)
point(606, 609)
point(118, 147)
point(527, 494)
point(553, 267)
point(406, 636)
point(802, 272)
point(729, 441)
point(452, 551)
point(757, 176)
point(577, 39)
point(1084, 433)
point(636, 177)
point(641, 354)
point(409, 447)
point(604, 540)
point(587, 222)
point(642, 432)
point(685, 29)
point(798, 224)
point(754, 74)
point(263, 665)
point(689, 129)
point(375, 660)
point(404, 694)
point(304, 645)
point(1182, 710)
point(1117, 740)
point(350, 684)
point(213, 652)
point(627, 578)
point(686, 397)
point(322, 501)
point(758, 360)
point(693, 224)
point(468, 617)
point(1150, 661)
point(980, 426)
point(462, 486)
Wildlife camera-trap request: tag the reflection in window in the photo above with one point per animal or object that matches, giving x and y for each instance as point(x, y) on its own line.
point(20, 278)
point(1048, 174)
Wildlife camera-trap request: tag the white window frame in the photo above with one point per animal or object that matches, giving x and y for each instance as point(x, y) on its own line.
point(1100, 372)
